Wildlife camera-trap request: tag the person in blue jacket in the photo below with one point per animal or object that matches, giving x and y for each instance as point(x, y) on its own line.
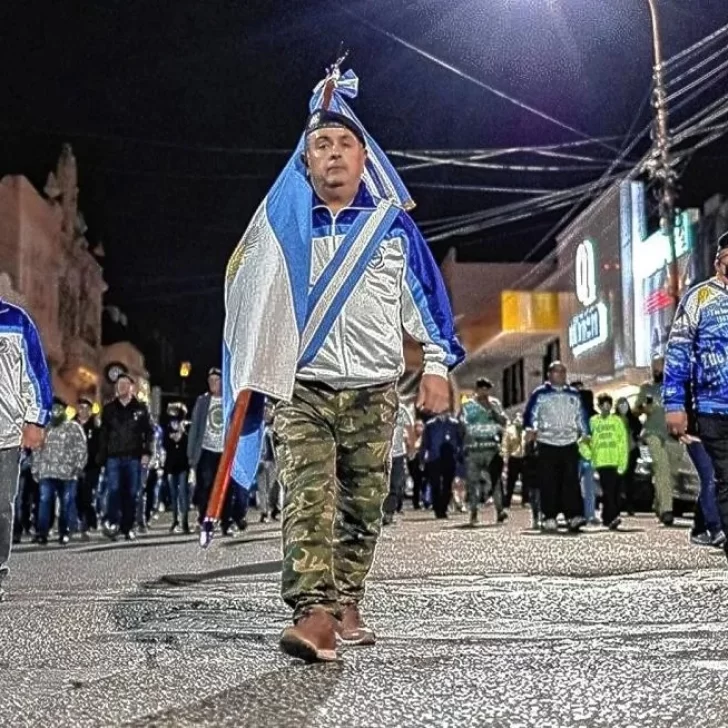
point(443, 454)
point(26, 396)
point(697, 360)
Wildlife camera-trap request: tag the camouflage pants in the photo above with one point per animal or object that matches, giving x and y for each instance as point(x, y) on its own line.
point(484, 469)
point(334, 460)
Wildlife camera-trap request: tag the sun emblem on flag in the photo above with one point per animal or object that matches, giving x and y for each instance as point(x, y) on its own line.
point(236, 260)
point(705, 294)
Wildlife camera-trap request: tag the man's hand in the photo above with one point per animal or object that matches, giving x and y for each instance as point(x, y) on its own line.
point(531, 435)
point(145, 461)
point(33, 436)
point(677, 423)
point(434, 396)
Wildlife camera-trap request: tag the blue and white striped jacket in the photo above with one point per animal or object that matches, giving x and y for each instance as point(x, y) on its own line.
point(696, 360)
point(558, 415)
point(26, 393)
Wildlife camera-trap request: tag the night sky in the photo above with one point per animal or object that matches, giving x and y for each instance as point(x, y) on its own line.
point(181, 113)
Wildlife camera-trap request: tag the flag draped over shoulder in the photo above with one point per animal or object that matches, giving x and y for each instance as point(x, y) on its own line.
point(267, 280)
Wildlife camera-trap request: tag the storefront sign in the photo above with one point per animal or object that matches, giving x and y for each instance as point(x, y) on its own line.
point(588, 329)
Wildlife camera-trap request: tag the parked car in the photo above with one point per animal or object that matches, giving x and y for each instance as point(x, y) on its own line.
point(686, 488)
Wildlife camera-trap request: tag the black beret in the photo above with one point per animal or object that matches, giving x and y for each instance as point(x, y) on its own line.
point(214, 372)
point(126, 376)
point(323, 119)
point(722, 243)
point(84, 400)
point(58, 402)
point(484, 383)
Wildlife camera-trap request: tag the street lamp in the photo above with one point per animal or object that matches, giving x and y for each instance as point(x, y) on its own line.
point(660, 165)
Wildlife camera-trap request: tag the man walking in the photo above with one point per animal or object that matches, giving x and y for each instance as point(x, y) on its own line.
point(398, 474)
point(176, 469)
point(484, 421)
point(695, 371)
point(25, 403)
point(88, 480)
point(665, 452)
point(125, 447)
point(442, 452)
point(205, 443)
point(556, 419)
point(359, 273)
point(57, 466)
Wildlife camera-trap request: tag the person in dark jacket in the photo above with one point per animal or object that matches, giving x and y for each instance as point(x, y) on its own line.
point(88, 481)
point(443, 449)
point(125, 446)
point(634, 430)
point(176, 466)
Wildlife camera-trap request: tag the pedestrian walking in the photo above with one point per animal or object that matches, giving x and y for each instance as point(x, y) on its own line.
point(355, 264)
point(88, 479)
point(484, 422)
point(57, 465)
point(608, 454)
point(398, 472)
point(695, 372)
point(556, 419)
point(176, 468)
point(26, 397)
point(125, 447)
point(443, 455)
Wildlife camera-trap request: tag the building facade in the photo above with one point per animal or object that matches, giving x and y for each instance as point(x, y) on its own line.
point(46, 267)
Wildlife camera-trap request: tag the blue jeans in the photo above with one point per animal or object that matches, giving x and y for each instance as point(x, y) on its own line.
point(708, 498)
point(588, 489)
point(66, 492)
point(123, 480)
point(179, 490)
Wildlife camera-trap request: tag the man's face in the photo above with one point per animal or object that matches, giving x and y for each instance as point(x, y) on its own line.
point(518, 419)
point(335, 159)
point(215, 384)
point(557, 376)
point(123, 388)
point(84, 411)
point(482, 393)
point(58, 413)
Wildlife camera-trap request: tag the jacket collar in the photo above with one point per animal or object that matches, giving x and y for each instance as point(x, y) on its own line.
point(362, 200)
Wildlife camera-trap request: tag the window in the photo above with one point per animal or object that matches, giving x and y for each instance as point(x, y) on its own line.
point(514, 385)
point(553, 353)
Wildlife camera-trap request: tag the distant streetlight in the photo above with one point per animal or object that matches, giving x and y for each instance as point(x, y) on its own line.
point(184, 369)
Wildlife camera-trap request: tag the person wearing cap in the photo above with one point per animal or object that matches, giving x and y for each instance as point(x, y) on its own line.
point(484, 423)
point(56, 467)
point(26, 396)
point(125, 447)
point(358, 274)
point(695, 385)
point(88, 480)
point(555, 418)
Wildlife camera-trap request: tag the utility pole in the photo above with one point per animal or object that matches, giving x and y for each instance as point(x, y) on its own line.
point(660, 165)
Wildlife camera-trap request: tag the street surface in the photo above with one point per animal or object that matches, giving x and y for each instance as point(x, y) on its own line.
point(498, 626)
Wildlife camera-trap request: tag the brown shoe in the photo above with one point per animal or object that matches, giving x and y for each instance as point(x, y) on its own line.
point(312, 638)
point(352, 630)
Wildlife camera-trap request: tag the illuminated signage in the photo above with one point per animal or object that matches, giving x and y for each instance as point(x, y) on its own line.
point(589, 329)
point(585, 272)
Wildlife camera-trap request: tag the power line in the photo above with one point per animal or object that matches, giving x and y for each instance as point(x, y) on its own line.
point(462, 74)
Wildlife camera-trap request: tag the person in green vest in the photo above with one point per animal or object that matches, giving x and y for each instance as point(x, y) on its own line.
point(483, 420)
point(608, 451)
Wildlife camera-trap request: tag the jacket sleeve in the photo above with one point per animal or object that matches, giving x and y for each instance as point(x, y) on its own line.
point(583, 422)
point(530, 414)
point(623, 441)
point(679, 354)
point(35, 379)
point(81, 448)
point(425, 445)
point(426, 313)
point(103, 438)
point(147, 433)
point(195, 434)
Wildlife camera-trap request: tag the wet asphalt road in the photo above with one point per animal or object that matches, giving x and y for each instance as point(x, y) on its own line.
point(494, 627)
